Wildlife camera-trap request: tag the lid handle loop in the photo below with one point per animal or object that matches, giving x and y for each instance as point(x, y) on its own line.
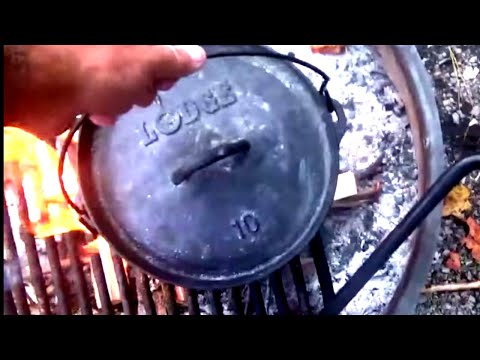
point(210, 157)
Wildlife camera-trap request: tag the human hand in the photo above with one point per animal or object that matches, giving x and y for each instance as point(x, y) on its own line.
point(48, 85)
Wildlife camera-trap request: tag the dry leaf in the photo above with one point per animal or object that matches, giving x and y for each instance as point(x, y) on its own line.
point(474, 229)
point(453, 262)
point(456, 202)
point(327, 49)
point(472, 240)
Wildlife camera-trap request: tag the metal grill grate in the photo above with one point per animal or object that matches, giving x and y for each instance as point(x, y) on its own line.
point(135, 287)
point(248, 300)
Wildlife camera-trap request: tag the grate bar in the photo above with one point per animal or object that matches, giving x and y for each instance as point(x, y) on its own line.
point(145, 293)
point(300, 287)
point(322, 268)
point(215, 300)
point(236, 297)
point(36, 273)
point(57, 276)
point(132, 287)
point(8, 302)
point(127, 305)
point(169, 296)
point(13, 263)
point(192, 301)
point(102, 286)
point(276, 284)
point(256, 298)
point(72, 239)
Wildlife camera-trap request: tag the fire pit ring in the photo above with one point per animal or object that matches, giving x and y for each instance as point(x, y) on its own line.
point(404, 68)
point(407, 72)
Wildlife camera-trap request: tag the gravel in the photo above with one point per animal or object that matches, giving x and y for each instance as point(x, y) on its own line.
point(462, 138)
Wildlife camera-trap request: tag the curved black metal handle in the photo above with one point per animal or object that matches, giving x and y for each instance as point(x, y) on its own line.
point(201, 161)
point(341, 124)
point(431, 199)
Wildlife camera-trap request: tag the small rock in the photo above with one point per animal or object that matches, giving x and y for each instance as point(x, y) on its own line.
point(456, 118)
point(470, 73)
point(476, 111)
point(473, 60)
point(389, 107)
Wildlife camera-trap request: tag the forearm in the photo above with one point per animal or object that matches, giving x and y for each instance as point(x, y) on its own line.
point(38, 82)
point(15, 72)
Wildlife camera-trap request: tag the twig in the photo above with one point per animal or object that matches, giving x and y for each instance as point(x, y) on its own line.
point(452, 287)
point(456, 68)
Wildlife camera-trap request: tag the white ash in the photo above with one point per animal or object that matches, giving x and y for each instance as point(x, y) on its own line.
point(377, 125)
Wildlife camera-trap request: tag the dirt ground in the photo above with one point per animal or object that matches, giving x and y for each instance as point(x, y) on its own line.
point(459, 106)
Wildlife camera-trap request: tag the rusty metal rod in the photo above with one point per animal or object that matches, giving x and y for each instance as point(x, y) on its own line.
point(127, 305)
point(8, 302)
point(276, 284)
point(145, 293)
point(57, 276)
point(300, 287)
point(256, 298)
point(102, 286)
point(169, 296)
point(36, 273)
point(192, 301)
point(72, 240)
point(236, 296)
point(215, 300)
point(322, 268)
point(13, 263)
point(132, 288)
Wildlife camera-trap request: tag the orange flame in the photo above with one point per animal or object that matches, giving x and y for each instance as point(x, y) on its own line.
point(49, 214)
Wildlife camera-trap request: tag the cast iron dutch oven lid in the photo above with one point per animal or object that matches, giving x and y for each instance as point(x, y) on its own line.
point(222, 181)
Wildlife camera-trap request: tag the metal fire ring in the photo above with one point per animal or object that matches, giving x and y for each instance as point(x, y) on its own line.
point(406, 70)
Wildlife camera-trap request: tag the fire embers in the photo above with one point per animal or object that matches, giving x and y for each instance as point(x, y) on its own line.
point(30, 166)
point(328, 49)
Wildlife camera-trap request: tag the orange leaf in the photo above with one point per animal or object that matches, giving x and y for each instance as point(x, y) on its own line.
point(327, 49)
point(456, 202)
point(474, 229)
point(453, 262)
point(476, 253)
point(472, 240)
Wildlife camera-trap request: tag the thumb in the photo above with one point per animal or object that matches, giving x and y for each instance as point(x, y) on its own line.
point(172, 62)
